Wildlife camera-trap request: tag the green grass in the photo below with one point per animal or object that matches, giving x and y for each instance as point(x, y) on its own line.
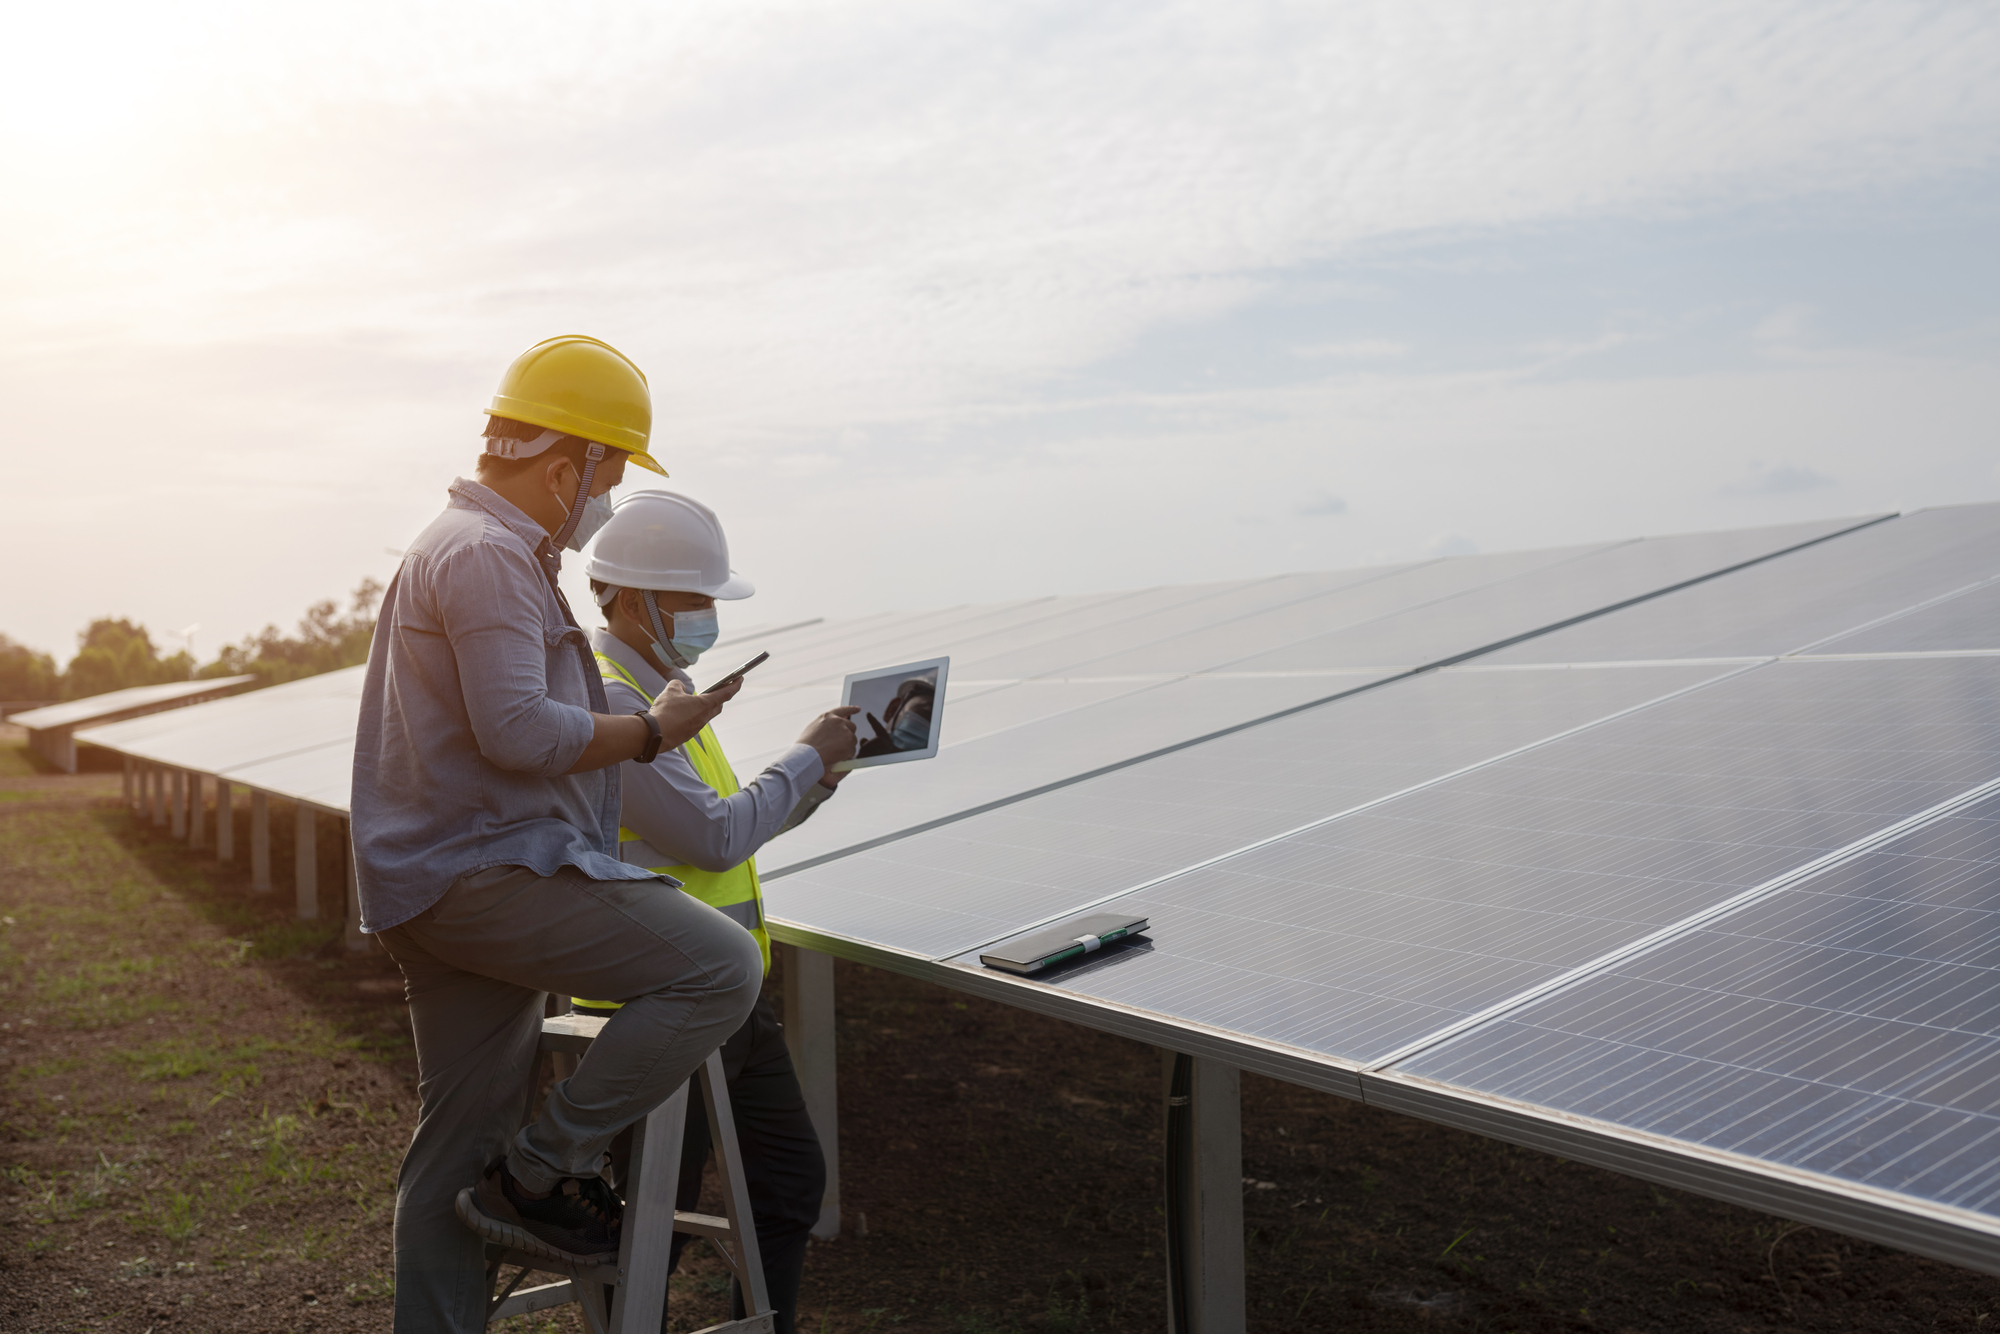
point(183, 1079)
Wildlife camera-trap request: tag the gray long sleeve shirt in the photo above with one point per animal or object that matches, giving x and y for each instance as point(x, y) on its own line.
point(678, 817)
point(476, 702)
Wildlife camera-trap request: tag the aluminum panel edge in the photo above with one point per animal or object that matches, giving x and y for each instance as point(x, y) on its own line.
point(1291, 1065)
point(1955, 1236)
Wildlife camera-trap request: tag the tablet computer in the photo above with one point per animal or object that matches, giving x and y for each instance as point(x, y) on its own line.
point(901, 712)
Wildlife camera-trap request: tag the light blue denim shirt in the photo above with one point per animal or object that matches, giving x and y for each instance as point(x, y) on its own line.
point(476, 703)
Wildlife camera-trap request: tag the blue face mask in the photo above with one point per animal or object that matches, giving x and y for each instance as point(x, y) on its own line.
point(910, 732)
point(596, 513)
point(694, 633)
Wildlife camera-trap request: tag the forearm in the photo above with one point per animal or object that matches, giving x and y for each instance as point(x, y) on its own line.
point(681, 816)
point(613, 738)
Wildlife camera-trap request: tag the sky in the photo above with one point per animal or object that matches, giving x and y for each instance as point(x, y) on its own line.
point(946, 303)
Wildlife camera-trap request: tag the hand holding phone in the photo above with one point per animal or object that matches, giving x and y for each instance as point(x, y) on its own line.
point(736, 675)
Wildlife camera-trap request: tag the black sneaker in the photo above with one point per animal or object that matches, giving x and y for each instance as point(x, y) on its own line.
point(577, 1222)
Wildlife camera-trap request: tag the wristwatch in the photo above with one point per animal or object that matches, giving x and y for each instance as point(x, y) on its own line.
point(653, 737)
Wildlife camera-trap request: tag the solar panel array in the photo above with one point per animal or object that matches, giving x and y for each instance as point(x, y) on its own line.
point(1674, 854)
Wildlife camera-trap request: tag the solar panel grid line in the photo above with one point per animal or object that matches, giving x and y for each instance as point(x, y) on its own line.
point(1899, 655)
point(1825, 591)
point(1694, 921)
point(766, 631)
point(1889, 618)
point(1339, 815)
point(1955, 1235)
point(1741, 660)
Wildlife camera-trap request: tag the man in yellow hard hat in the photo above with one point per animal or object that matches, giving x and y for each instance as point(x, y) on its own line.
point(485, 817)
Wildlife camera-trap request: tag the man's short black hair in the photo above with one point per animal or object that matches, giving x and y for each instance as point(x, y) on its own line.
point(597, 587)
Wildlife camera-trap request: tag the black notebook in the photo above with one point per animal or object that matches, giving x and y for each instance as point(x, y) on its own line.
point(1062, 942)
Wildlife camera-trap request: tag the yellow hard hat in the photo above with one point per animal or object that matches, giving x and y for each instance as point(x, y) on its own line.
point(581, 386)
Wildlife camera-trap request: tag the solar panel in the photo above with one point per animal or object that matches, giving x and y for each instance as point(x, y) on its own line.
point(1795, 600)
point(1056, 748)
point(323, 775)
point(1848, 1025)
point(227, 733)
point(1114, 704)
point(1967, 620)
point(79, 712)
point(970, 881)
point(1532, 600)
point(1366, 934)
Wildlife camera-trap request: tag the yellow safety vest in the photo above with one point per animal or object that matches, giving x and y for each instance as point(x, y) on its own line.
point(734, 892)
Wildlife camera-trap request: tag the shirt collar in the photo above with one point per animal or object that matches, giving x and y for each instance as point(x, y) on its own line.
point(474, 495)
point(622, 653)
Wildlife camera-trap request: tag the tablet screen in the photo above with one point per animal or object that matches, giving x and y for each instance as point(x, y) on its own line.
point(901, 712)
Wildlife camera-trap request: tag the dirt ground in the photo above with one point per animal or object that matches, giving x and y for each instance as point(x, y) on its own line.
point(204, 1101)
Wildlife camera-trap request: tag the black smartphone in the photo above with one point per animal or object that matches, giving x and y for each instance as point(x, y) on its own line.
point(738, 674)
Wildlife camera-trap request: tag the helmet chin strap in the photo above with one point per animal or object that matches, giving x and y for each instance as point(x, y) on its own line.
point(591, 458)
point(661, 639)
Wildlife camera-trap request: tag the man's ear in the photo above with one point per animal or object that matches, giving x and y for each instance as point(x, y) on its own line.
point(629, 604)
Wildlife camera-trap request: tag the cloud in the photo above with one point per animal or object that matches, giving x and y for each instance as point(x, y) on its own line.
point(1323, 505)
point(1777, 479)
point(298, 257)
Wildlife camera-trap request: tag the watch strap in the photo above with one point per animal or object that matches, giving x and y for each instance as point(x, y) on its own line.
point(653, 736)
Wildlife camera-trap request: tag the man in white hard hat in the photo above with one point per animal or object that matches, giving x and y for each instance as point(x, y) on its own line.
point(658, 568)
point(485, 814)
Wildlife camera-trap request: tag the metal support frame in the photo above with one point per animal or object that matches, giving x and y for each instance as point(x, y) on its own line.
point(305, 860)
point(159, 796)
point(638, 1281)
point(225, 821)
point(126, 773)
point(1205, 1169)
point(809, 1035)
point(177, 805)
point(57, 745)
point(197, 811)
point(260, 842)
point(357, 943)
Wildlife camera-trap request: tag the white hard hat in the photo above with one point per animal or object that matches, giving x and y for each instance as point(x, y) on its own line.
point(662, 541)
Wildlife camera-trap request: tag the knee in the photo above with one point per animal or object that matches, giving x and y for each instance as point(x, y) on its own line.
point(738, 972)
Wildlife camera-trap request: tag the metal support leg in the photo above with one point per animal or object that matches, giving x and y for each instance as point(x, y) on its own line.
point(357, 943)
point(159, 796)
point(305, 861)
point(648, 1233)
point(197, 811)
point(177, 805)
point(809, 1035)
point(1205, 1161)
point(260, 842)
point(225, 821)
point(69, 752)
point(130, 801)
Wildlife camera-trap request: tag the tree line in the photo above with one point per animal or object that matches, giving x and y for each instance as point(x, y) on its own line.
point(112, 653)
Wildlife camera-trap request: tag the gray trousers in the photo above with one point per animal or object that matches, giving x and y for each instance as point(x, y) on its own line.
point(477, 968)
